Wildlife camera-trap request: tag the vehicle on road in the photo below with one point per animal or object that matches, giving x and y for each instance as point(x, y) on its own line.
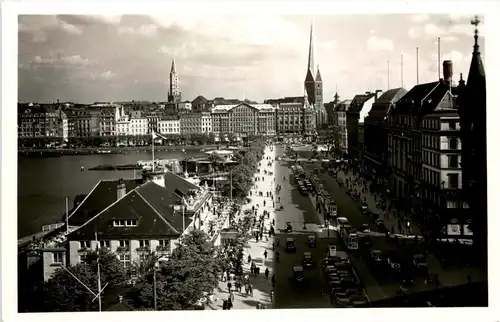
point(288, 227)
point(364, 207)
point(419, 261)
point(376, 256)
point(297, 274)
point(342, 221)
point(308, 260)
point(364, 228)
point(290, 246)
point(311, 241)
point(345, 282)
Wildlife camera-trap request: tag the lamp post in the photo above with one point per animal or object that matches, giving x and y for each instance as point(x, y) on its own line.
point(156, 266)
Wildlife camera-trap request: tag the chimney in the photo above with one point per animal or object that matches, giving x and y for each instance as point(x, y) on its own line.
point(447, 71)
point(121, 189)
point(376, 93)
point(367, 93)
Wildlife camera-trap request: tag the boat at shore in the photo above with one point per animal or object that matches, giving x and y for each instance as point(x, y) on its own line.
point(99, 151)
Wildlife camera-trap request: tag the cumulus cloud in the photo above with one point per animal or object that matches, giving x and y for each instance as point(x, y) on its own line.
point(420, 18)
point(379, 44)
point(145, 30)
point(108, 74)
point(69, 28)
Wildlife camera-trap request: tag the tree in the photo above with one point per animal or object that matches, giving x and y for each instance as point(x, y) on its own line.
point(191, 272)
point(216, 160)
point(112, 271)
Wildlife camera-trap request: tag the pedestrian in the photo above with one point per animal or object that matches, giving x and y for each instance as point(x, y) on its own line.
point(229, 303)
point(273, 280)
point(273, 221)
point(249, 258)
point(224, 305)
point(250, 289)
point(231, 297)
point(257, 238)
point(229, 285)
point(257, 271)
point(265, 254)
point(247, 289)
point(273, 247)
point(271, 295)
point(266, 273)
point(261, 234)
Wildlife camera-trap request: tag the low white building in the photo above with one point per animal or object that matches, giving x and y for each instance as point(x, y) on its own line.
point(206, 122)
point(138, 126)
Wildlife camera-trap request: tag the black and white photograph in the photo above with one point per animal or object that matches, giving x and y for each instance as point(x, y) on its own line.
point(249, 161)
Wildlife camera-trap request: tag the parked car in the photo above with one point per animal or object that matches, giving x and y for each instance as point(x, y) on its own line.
point(297, 274)
point(419, 261)
point(311, 241)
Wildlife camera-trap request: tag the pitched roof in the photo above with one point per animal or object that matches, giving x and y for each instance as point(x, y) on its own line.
point(343, 106)
point(309, 76)
point(380, 108)
point(318, 76)
point(151, 221)
point(199, 100)
point(358, 101)
point(411, 102)
point(178, 185)
point(101, 196)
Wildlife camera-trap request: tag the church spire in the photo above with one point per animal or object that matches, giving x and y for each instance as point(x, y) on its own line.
point(310, 62)
point(173, 70)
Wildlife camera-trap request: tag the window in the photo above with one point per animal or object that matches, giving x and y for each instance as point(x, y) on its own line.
point(453, 161)
point(453, 144)
point(453, 125)
point(131, 223)
point(57, 258)
point(85, 244)
point(453, 180)
point(82, 258)
point(124, 243)
point(104, 243)
point(125, 260)
point(144, 243)
point(451, 204)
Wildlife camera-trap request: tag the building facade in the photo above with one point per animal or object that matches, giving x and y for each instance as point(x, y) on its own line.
point(358, 109)
point(138, 126)
point(340, 124)
point(169, 124)
point(36, 121)
point(376, 135)
point(107, 121)
point(244, 119)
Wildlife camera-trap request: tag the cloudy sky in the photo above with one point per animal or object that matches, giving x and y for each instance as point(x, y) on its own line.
point(102, 58)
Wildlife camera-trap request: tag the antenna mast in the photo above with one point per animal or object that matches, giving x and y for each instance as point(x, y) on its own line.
point(388, 83)
point(417, 65)
point(401, 70)
point(439, 58)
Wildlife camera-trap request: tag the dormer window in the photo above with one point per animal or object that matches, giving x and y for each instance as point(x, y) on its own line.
point(125, 223)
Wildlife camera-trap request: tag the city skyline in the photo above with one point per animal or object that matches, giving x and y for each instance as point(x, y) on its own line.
point(75, 58)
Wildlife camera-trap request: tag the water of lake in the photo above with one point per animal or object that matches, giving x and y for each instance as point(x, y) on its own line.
point(44, 183)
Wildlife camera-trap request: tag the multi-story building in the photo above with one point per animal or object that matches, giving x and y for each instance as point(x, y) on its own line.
point(340, 125)
point(472, 111)
point(84, 122)
point(138, 126)
point(295, 118)
point(153, 117)
point(135, 217)
point(376, 135)
point(330, 110)
point(107, 121)
point(244, 119)
point(405, 141)
point(358, 110)
point(439, 189)
point(169, 124)
point(122, 122)
point(174, 95)
point(186, 105)
point(206, 122)
point(191, 123)
point(38, 121)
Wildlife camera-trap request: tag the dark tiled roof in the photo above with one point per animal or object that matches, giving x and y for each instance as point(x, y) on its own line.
point(475, 90)
point(410, 103)
point(150, 222)
point(100, 197)
point(358, 101)
point(199, 100)
point(344, 106)
point(174, 182)
point(380, 107)
point(162, 200)
point(309, 76)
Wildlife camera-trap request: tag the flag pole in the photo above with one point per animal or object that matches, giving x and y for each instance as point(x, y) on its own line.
point(67, 227)
point(183, 217)
point(153, 144)
point(98, 274)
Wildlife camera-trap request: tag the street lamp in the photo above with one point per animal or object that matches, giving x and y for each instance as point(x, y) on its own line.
point(156, 266)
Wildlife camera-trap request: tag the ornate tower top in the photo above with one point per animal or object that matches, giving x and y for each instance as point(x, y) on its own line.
point(475, 22)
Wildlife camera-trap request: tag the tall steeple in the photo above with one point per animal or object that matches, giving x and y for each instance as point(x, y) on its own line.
point(310, 62)
point(174, 95)
point(172, 69)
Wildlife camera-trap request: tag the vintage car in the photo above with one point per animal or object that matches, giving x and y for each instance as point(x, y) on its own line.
point(297, 274)
point(307, 261)
point(290, 246)
point(311, 241)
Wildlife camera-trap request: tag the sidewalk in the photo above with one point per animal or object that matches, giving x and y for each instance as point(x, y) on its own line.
point(390, 218)
point(261, 287)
